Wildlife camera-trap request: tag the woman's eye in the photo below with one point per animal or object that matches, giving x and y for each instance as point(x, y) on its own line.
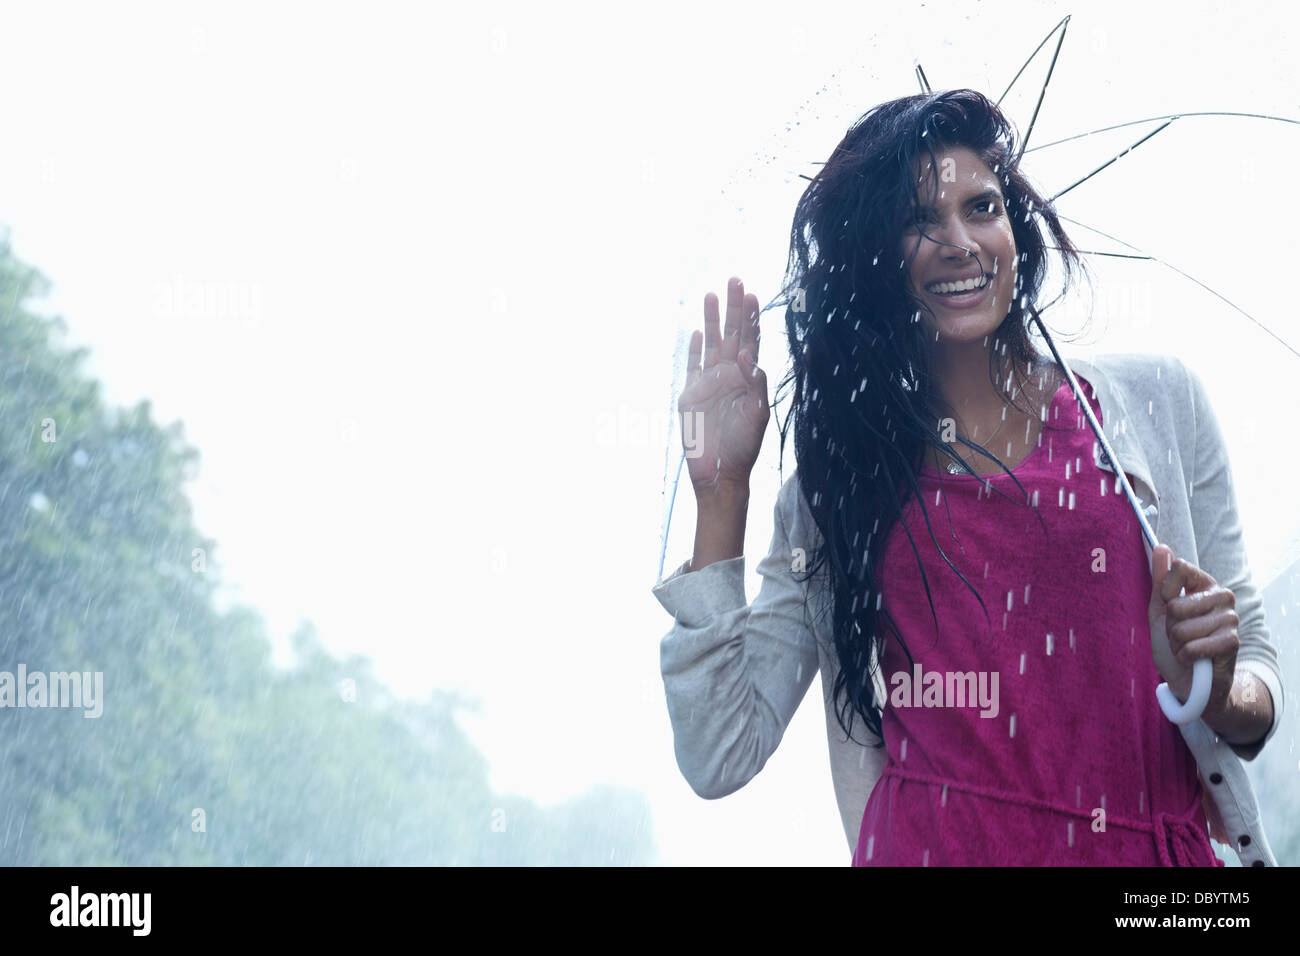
point(989, 208)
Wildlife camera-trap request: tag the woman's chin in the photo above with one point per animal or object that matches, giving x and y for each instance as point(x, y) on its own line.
point(962, 327)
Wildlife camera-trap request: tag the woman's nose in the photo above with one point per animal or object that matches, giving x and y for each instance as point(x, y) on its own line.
point(958, 243)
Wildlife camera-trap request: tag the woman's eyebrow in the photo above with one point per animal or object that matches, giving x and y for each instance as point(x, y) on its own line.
point(978, 197)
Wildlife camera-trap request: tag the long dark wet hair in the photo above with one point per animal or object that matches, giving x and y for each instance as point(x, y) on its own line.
point(866, 404)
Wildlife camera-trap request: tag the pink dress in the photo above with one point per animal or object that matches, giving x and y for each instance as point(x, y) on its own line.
point(1066, 759)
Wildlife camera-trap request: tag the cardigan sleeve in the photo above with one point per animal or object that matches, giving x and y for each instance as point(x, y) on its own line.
point(734, 673)
point(1221, 551)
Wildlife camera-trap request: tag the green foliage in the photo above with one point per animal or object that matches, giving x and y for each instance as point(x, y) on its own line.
point(96, 547)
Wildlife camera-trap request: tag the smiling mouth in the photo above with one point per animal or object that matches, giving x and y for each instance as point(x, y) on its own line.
point(963, 300)
point(958, 289)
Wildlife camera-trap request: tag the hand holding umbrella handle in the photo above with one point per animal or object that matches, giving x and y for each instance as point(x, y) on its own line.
point(1185, 713)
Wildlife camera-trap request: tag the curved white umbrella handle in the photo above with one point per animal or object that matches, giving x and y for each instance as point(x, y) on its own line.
point(1202, 676)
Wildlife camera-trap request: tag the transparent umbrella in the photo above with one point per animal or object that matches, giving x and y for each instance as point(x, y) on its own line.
point(1167, 207)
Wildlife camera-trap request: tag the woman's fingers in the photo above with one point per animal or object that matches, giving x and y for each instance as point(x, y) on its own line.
point(1219, 642)
point(712, 335)
point(749, 328)
point(735, 308)
point(693, 370)
point(1189, 630)
point(741, 330)
point(1193, 604)
point(1183, 575)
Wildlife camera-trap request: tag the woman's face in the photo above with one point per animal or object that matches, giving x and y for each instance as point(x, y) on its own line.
point(967, 214)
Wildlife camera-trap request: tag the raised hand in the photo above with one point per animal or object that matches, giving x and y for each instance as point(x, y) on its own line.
point(724, 405)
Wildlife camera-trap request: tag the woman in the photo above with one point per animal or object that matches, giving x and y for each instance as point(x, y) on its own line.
point(1003, 591)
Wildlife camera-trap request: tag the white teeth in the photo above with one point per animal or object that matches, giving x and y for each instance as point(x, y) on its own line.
point(964, 286)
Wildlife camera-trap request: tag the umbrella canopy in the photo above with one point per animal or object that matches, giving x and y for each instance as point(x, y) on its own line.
point(1170, 207)
point(1167, 206)
point(1178, 204)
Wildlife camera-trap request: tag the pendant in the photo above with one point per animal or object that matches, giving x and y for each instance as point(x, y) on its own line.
point(955, 469)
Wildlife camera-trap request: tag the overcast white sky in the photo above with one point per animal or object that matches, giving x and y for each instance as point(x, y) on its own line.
point(412, 274)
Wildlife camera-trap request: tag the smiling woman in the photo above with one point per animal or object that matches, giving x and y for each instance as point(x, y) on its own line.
point(966, 226)
point(943, 195)
point(917, 257)
point(961, 255)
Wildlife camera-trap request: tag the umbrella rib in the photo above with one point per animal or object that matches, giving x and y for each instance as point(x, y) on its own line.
point(1171, 116)
point(1094, 252)
point(1125, 152)
point(1105, 129)
point(1185, 276)
point(1043, 92)
point(1025, 66)
point(920, 75)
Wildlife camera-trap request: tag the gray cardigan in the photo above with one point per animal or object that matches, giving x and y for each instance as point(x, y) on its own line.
point(734, 672)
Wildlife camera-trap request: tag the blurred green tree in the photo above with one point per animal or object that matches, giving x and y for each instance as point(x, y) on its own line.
point(98, 573)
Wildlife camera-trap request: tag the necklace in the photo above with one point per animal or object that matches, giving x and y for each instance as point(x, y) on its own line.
point(956, 469)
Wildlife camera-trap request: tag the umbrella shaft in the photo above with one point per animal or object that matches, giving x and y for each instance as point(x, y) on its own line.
point(1084, 404)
